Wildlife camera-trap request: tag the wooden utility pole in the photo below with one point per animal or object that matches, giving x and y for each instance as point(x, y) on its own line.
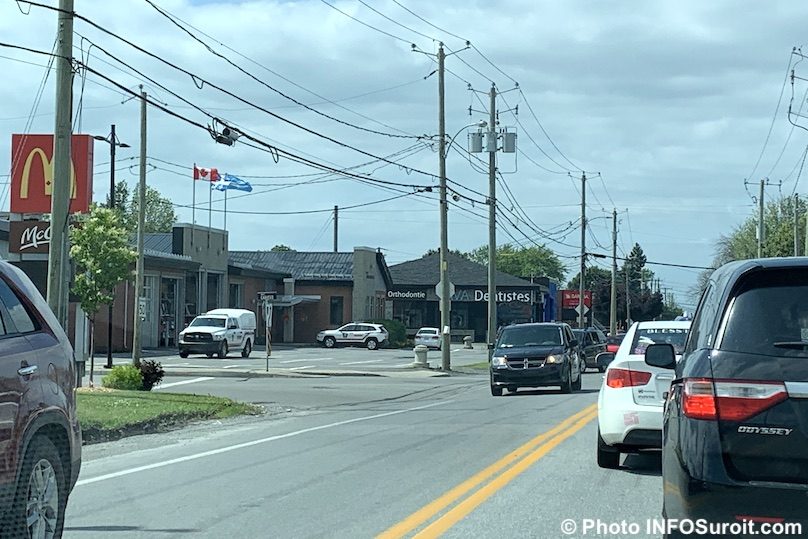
point(141, 224)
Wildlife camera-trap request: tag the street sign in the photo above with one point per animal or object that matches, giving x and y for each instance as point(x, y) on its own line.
point(439, 286)
point(578, 309)
point(141, 308)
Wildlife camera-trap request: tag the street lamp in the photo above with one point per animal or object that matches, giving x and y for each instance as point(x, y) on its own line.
point(113, 142)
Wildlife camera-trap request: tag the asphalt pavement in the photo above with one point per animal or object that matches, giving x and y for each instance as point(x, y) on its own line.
point(367, 457)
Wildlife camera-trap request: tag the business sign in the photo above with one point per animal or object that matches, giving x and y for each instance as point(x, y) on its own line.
point(32, 173)
point(406, 294)
point(523, 296)
point(29, 237)
point(570, 298)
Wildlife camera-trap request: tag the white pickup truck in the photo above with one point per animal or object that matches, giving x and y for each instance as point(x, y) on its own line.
point(219, 331)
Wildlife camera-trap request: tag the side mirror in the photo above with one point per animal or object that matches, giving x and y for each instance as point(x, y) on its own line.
point(603, 359)
point(661, 355)
point(232, 326)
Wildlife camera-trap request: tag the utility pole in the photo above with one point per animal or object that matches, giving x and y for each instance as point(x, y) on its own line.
point(760, 220)
point(492, 220)
point(628, 299)
point(141, 223)
point(336, 227)
point(58, 278)
point(581, 304)
point(796, 224)
point(613, 297)
point(445, 296)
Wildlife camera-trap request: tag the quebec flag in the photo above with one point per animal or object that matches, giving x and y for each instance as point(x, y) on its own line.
point(231, 182)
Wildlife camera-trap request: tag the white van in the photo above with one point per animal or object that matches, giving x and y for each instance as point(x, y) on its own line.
point(219, 331)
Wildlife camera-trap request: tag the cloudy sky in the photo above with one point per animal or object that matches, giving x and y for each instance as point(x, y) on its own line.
point(668, 106)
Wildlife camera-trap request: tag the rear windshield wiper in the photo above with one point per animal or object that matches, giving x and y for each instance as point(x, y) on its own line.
point(796, 345)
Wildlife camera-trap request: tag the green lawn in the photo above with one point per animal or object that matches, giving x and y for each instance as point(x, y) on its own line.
point(110, 414)
point(483, 365)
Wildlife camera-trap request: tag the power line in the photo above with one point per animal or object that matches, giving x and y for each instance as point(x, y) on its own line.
point(388, 34)
point(600, 255)
point(210, 49)
point(395, 21)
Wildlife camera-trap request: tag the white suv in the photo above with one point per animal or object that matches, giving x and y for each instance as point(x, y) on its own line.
point(356, 333)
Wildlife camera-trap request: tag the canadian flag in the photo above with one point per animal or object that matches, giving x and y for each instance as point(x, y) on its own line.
point(206, 174)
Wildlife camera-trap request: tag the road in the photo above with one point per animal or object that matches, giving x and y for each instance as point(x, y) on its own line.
point(366, 457)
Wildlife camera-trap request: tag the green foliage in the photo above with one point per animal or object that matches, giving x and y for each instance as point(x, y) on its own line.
point(456, 252)
point(525, 262)
point(281, 247)
point(124, 377)
point(160, 216)
point(599, 281)
point(100, 249)
point(152, 373)
point(397, 331)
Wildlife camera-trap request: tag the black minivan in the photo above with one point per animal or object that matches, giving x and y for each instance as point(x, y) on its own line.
point(536, 355)
point(735, 429)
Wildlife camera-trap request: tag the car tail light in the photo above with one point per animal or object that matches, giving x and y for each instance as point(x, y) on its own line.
point(729, 400)
point(627, 378)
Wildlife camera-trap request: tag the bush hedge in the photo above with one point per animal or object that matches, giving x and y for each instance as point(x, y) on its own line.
point(397, 331)
point(124, 377)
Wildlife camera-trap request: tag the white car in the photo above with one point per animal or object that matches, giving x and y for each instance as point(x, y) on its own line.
point(357, 333)
point(429, 337)
point(631, 399)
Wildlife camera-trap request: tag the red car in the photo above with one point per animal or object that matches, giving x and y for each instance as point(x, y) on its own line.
point(613, 342)
point(40, 438)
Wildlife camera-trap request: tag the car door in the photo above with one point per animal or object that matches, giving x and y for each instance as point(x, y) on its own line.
point(362, 333)
point(20, 385)
point(234, 333)
point(346, 333)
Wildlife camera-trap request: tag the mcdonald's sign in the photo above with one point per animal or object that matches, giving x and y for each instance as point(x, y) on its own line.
point(32, 173)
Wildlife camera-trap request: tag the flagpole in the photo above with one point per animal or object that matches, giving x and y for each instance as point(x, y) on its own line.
point(210, 208)
point(193, 207)
point(225, 209)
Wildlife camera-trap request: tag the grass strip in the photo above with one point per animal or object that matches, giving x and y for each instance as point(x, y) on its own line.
point(110, 414)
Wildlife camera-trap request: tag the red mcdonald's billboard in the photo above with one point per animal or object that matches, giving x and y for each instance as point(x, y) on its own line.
point(32, 173)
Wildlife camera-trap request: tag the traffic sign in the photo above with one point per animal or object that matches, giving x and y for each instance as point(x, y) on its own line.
point(578, 309)
point(439, 287)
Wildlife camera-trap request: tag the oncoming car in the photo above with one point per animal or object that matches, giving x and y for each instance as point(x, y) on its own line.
point(630, 402)
point(371, 336)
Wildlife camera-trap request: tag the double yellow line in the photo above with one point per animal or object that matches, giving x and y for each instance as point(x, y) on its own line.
point(524, 456)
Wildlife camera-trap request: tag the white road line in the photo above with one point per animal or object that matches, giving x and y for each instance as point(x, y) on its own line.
point(303, 367)
point(183, 382)
point(227, 449)
point(362, 362)
point(304, 360)
point(234, 366)
point(403, 365)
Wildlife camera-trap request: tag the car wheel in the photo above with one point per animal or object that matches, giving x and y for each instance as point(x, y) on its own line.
point(601, 369)
point(183, 355)
point(566, 385)
point(496, 391)
point(329, 342)
point(247, 350)
point(209, 354)
point(223, 350)
point(608, 456)
point(41, 493)
point(372, 344)
point(577, 384)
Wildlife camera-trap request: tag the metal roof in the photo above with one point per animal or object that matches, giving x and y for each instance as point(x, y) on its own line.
point(462, 272)
point(320, 266)
point(159, 241)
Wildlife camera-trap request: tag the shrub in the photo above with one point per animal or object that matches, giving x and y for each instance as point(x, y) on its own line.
point(152, 372)
point(397, 331)
point(124, 377)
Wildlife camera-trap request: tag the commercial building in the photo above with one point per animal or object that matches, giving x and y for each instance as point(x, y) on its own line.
point(413, 300)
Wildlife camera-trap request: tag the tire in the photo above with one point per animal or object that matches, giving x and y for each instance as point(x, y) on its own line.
point(608, 456)
point(577, 384)
point(601, 369)
point(34, 498)
point(496, 391)
point(566, 385)
point(247, 350)
point(372, 344)
point(183, 355)
point(223, 350)
point(209, 354)
point(329, 342)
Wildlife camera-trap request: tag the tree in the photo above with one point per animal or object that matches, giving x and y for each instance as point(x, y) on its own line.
point(103, 258)
point(457, 252)
point(281, 247)
point(160, 215)
point(741, 243)
point(599, 281)
point(524, 262)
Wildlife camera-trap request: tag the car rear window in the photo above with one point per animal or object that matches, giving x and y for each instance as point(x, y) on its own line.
point(644, 337)
point(769, 315)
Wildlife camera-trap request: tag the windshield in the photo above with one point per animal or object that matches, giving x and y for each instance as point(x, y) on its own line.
point(644, 337)
point(208, 321)
point(530, 336)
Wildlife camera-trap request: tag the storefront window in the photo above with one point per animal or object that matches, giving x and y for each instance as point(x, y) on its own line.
point(236, 296)
point(336, 310)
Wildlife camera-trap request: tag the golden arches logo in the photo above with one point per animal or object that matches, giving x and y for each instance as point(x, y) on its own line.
point(47, 173)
